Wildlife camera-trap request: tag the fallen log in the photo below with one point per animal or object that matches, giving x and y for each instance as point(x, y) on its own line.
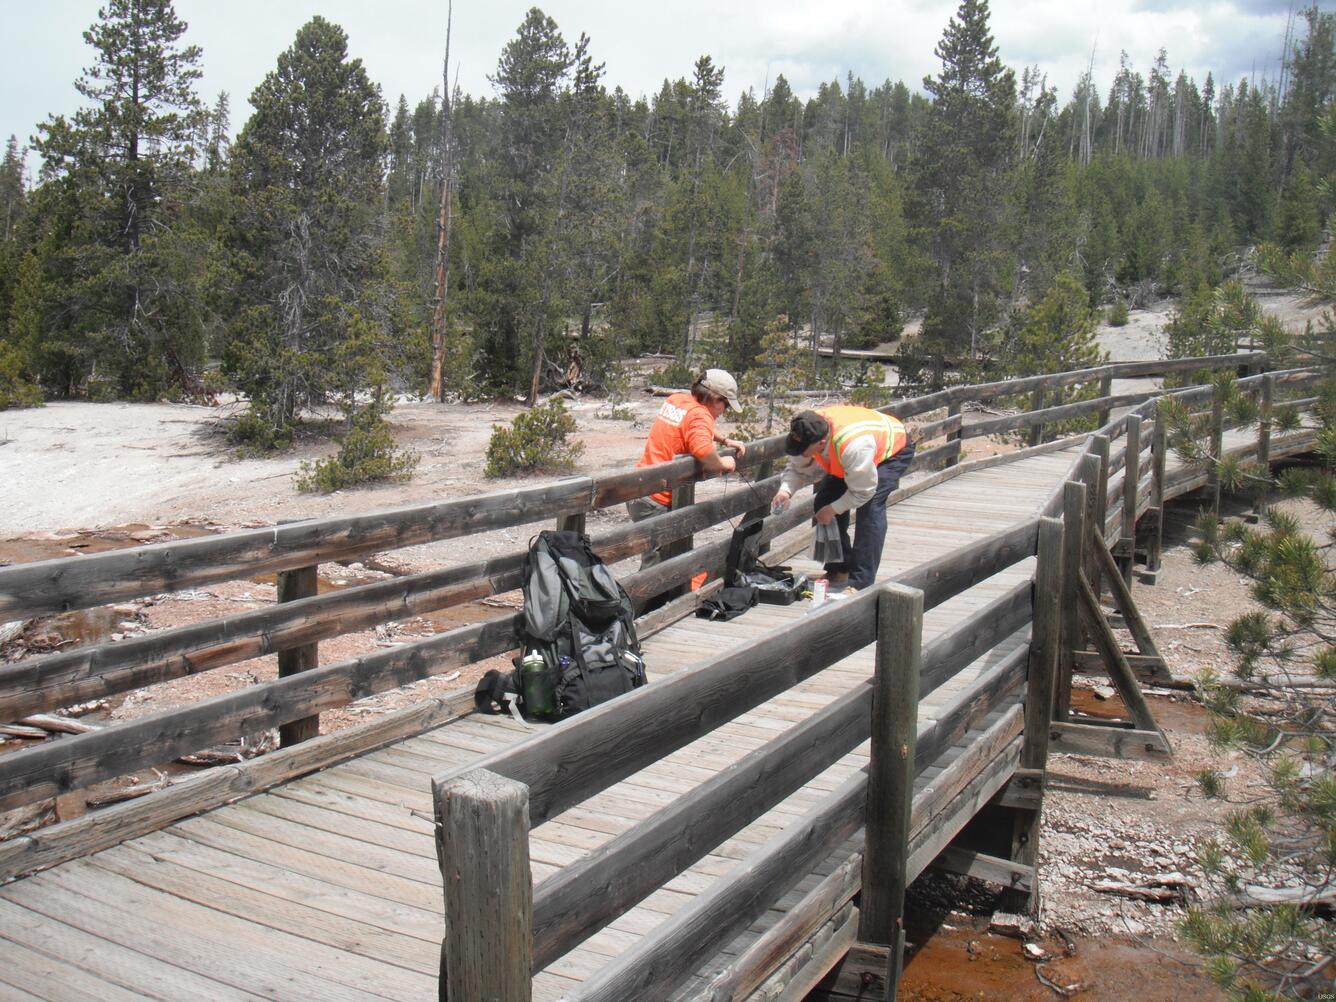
point(1172, 887)
point(1264, 897)
point(20, 731)
point(55, 724)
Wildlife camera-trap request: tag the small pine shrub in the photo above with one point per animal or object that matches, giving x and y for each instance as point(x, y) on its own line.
point(536, 441)
point(367, 454)
point(1118, 314)
point(253, 434)
point(676, 374)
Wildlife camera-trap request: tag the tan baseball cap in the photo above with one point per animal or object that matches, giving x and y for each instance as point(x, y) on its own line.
point(720, 382)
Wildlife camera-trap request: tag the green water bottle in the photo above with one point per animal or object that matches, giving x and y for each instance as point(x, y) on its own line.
point(539, 695)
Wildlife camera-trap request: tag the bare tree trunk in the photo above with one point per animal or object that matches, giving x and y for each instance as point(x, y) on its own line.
point(443, 227)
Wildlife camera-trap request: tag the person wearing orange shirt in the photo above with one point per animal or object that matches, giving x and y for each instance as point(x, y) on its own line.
point(856, 457)
point(685, 427)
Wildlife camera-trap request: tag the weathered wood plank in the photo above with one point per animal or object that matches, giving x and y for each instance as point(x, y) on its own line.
point(1109, 742)
point(49, 846)
point(483, 823)
point(890, 784)
point(61, 585)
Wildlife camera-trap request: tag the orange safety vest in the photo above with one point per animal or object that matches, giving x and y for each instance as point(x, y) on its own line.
point(684, 427)
point(848, 423)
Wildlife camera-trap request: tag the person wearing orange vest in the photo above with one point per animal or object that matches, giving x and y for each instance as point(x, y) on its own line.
point(858, 456)
point(685, 427)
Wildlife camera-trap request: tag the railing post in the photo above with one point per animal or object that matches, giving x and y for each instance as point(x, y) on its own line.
point(1158, 448)
point(1264, 441)
point(683, 497)
point(890, 786)
point(1044, 642)
point(952, 410)
point(1127, 542)
point(1036, 404)
point(300, 582)
point(572, 523)
point(1105, 390)
point(482, 845)
point(1099, 448)
point(1217, 447)
point(1074, 534)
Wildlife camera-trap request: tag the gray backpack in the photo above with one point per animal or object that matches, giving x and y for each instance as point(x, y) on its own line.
point(582, 623)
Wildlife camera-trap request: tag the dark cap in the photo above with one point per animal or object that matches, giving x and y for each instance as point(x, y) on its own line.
point(805, 430)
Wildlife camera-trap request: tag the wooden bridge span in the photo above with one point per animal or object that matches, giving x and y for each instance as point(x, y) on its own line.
point(744, 827)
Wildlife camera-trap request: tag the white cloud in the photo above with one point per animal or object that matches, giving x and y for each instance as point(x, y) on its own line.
point(402, 42)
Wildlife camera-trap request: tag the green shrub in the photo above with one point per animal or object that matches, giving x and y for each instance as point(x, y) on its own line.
point(675, 374)
point(1118, 314)
point(535, 441)
point(367, 454)
point(253, 432)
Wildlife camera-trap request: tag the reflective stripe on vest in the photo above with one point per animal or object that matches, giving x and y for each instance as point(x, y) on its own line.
point(849, 423)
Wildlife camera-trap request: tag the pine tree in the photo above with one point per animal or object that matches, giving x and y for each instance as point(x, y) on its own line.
point(529, 76)
point(126, 160)
point(306, 169)
point(965, 149)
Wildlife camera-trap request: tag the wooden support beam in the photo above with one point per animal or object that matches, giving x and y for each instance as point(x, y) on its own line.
point(1131, 481)
point(1045, 639)
point(1025, 789)
point(968, 863)
point(890, 788)
point(1114, 659)
point(1152, 667)
point(1073, 518)
point(1265, 406)
point(1159, 456)
point(1110, 742)
point(1122, 597)
point(482, 844)
point(298, 583)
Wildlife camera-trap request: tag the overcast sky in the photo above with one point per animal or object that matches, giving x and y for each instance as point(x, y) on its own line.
point(809, 41)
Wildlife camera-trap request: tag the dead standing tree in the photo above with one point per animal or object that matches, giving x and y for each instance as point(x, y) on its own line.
point(443, 224)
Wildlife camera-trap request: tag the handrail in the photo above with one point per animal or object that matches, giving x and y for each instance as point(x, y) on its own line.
point(66, 584)
point(571, 761)
point(60, 679)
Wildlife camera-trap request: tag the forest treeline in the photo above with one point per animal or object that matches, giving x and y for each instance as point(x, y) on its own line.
point(307, 261)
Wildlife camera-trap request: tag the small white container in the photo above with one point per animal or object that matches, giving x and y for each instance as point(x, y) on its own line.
point(818, 592)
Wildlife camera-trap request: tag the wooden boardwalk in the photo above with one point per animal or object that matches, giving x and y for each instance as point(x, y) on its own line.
point(328, 886)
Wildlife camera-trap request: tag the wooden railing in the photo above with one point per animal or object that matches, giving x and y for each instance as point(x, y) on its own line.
point(48, 682)
point(484, 812)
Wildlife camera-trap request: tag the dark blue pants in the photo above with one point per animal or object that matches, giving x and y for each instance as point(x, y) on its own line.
point(861, 559)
